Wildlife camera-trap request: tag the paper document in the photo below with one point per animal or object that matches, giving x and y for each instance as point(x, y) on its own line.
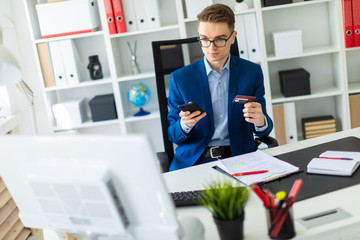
point(256, 161)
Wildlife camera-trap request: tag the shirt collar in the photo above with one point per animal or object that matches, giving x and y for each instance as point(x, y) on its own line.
point(209, 69)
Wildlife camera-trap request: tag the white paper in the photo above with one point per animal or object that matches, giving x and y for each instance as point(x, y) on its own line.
point(256, 161)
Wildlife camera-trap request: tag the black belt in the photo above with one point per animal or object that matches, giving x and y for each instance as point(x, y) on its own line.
point(217, 152)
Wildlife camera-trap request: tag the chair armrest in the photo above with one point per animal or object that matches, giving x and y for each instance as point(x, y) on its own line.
point(163, 161)
point(269, 141)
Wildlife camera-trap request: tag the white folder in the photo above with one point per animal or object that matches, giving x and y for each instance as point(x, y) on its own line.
point(290, 122)
point(152, 13)
point(71, 60)
point(252, 37)
point(129, 15)
point(241, 37)
point(57, 64)
point(142, 22)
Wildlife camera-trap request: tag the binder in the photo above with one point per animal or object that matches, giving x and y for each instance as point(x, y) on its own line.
point(57, 64)
point(129, 15)
point(110, 16)
point(45, 63)
point(290, 122)
point(356, 21)
point(141, 19)
point(252, 38)
point(279, 124)
point(152, 13)
point(70, 58)
point(241, 37)
point(119, 16)
point(348, 23)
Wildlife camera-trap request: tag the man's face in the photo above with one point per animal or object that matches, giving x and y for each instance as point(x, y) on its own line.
point(213, 31)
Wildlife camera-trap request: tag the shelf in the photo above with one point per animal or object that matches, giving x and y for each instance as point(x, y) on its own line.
point(126, 34)
point(307, 52)
point(155, 114)
point(316, 93)
point(352, 49)
point(136, 77)
point(89, 123)
point(81, 84)
point(354, 87)
point(83, 35)
point(297, 4)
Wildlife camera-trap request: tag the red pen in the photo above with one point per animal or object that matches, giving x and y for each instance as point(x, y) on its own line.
point(248, 173)
point(336, 158)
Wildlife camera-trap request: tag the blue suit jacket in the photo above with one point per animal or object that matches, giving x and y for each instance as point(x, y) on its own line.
point(190, 84)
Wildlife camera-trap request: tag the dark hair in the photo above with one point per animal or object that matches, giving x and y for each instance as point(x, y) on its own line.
point(217, 13)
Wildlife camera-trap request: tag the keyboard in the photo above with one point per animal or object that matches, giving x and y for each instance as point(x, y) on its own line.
point(189, 198)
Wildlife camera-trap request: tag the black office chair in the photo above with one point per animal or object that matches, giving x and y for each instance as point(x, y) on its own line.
point(168, 57)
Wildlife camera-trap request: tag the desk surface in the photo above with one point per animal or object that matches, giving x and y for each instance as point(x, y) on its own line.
point(255, 221)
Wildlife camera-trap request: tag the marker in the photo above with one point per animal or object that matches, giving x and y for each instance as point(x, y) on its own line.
point(336, 158)
point(248, 173)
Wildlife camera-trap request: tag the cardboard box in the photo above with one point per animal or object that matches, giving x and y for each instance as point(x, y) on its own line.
point(102, 107)
point(287, 43)
point(294, 82)
point(268, 3)
point(70, 114)
point(68, 18)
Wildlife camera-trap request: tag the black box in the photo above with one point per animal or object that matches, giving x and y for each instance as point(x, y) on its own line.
point(268, 3)
point(103, 107)
point(294, 82)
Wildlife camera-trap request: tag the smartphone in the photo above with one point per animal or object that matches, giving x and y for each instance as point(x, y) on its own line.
point(192, 107)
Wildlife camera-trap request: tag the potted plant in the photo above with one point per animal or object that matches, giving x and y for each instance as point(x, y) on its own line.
point(226, 202)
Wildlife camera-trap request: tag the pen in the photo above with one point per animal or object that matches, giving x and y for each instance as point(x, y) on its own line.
point(336, 158)
point(248, 173)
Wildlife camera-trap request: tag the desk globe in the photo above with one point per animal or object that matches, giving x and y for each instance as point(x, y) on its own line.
point(139, 94)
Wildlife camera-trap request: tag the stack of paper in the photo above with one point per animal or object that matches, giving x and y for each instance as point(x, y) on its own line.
point(256, 161)
point(340, 163)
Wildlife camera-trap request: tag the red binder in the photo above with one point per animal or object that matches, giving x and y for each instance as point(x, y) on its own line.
point(356, 21)
point(348, 23)
point(119, 16)
point(110, 16)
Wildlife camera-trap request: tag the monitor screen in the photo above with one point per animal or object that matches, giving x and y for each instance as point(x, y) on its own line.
point(100, 184)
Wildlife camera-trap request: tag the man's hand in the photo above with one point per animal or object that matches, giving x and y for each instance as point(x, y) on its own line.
point(191, 119)
point(253, 113)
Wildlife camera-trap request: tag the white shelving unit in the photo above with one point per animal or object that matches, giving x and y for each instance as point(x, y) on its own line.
point(333, 69)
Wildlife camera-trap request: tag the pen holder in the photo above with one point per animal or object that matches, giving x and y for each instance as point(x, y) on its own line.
point(280, 223)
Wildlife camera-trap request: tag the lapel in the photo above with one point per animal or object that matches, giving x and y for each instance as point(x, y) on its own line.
point(204, 90)
point(233, 83)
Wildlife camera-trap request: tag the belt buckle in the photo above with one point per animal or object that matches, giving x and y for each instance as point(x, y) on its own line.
point(211, 152)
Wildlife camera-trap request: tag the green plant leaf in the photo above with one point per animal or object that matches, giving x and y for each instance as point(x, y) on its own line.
point(225, 201)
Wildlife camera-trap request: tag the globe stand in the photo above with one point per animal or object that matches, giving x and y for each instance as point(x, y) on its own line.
point(141, 112)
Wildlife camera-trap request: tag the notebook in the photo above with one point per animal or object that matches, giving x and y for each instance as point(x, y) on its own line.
point(341, 163)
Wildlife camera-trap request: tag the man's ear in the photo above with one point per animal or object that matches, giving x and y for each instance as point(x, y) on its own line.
point(234, 35)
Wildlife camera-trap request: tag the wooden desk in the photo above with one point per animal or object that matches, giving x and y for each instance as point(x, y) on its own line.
point(255, 219)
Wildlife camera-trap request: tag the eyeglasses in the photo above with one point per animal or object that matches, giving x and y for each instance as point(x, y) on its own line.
point(218, 42)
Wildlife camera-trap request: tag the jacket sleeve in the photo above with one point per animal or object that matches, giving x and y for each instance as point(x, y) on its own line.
point(260, 93)
point(175, 132)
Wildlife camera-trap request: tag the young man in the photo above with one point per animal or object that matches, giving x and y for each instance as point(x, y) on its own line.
point(225, 128)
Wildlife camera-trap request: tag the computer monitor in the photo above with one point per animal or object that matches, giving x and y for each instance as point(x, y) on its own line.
point(100, 184)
